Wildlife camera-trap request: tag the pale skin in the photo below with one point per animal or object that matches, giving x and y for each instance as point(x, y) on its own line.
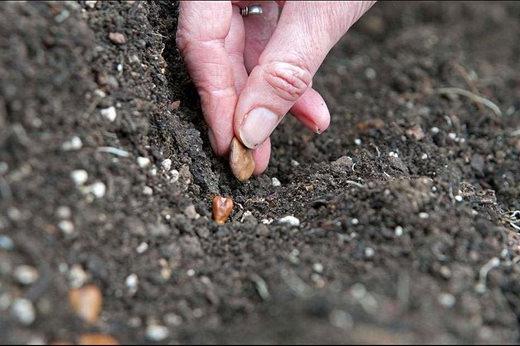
point(251, 71)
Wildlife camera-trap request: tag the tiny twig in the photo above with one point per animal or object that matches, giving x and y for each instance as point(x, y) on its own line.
point(472, 96)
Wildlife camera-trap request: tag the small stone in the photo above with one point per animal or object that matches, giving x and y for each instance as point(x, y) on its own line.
point(416, 133)
point(26, 275)
point(175, 105)
point(63, 212)
point(221, 209)
point(399, 231)
point(424, 215)
point(77, 276)
point(459, 198)
point(275, 182)
point(290, 220)
point(132, 283)
point(74, 143)
point(98, 189)
point(190, 272)
point(91, 3)
point(424, 156)
point(23, 311)
point(6, 243)
point(86, 302)
point(142, 248)
point(369, 252)
point(167, 165)
point(156, 333)
point(79, 176)
point(294, 163)
point(317, 267)
point(447, 300)
point(143, 162)
point(241, 160)
point(147, 191)
point(357, 141)
point(344, 161)
point(97, 339)
point(117, 37)
point(174, 175)
point(66, 226)
point(354, 221)
point(191, 212)
point(109, 113)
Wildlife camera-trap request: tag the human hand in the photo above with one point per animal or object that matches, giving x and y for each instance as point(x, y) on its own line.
point(250, 71)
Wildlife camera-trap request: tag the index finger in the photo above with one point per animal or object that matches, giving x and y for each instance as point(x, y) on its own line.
point(203, 27)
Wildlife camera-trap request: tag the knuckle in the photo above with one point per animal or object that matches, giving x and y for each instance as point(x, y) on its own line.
point(289, 80)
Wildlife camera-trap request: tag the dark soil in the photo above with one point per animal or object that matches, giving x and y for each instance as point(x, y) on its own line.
point(398, 227)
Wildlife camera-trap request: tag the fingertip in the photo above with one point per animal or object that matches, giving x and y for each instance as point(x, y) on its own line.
point(312, 111)
point(261, 155)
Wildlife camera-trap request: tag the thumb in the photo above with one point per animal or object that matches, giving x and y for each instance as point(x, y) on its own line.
point(305, 33)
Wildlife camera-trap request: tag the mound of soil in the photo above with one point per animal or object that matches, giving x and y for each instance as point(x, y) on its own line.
point(408, 231)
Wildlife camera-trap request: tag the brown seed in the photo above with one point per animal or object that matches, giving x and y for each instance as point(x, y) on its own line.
point(97, 339)
point(222, 208)
point(86, 302)
point(117, 38)
point(241, 160)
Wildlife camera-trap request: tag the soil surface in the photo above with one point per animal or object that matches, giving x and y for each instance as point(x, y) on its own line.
point(408, 231)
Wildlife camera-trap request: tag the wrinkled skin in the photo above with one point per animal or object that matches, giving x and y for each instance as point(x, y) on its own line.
point(250, 71)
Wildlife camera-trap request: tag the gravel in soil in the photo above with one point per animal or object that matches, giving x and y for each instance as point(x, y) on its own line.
point(398, 224)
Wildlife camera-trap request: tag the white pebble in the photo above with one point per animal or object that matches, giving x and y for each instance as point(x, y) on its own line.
point(294, 163)
point(143, 162)
point(174, 175)
point(166, 165)
point(459, 198)
point(66, 226)
point(23, 311)
point(77, 276)
point(142, 248)
point(190, 272)
point(6, 243)
point(100, 93)
point(317, 267)
point(109, 113)
point(26, 275)
point(357, 141)
point(276, 182)
point(369, 252)
point(267, 221)
point(393, 154)
point(98, 189)
point(147, 191)
point(424, 215)
point(79, 176)
point(355, 221)
point(63, 212)
point(447, 300)
point(91, 3)
point(399, 231)
point(424, 156)
point(435, 130)
point(74, 143)
point(132, 282)
point(290, 220)
point(155, 332)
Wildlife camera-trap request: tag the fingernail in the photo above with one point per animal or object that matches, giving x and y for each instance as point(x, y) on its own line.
point(257, 127)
